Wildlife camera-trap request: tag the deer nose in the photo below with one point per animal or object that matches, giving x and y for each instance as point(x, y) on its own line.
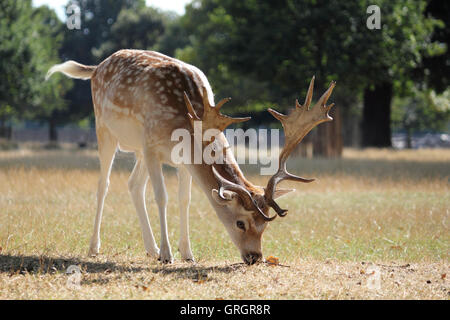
point(252, 257)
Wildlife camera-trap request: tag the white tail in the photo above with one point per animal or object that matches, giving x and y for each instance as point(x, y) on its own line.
point(72, 69)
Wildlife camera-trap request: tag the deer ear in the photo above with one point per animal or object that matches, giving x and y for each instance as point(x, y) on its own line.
point(228, 195)
point(281, 192)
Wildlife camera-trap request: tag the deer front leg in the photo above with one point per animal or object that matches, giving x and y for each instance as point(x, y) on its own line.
point(136, 185)
point(156, 176)
point(184, 198)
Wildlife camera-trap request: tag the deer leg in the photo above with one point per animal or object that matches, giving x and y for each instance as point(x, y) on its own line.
point(107, 145)
point(156, 176)
point(136, 185)
point(184, 198)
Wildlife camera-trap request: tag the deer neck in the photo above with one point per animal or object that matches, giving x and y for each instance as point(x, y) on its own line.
point(229, 169)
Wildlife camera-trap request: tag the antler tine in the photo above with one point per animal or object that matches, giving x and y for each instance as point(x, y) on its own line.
point(212, 118)
point(191, 112)
point(309, 95)
point(243, 193)
point(297, 124)
point(324, 98)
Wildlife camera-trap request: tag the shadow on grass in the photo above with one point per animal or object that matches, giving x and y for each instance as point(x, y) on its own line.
point(196, 272)
point(49, 265)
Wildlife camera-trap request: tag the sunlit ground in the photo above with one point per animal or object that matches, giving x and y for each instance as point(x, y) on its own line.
point(381, 210)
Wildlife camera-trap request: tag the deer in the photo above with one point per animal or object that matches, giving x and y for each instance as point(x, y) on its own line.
point(140, 97)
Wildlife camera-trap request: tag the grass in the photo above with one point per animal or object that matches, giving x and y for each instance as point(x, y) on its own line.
point(372, 208)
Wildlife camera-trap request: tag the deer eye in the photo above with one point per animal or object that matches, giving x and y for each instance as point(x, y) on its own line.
point(240, 224)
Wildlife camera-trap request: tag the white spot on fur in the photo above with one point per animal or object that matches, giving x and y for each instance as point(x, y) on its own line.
point(161, 89)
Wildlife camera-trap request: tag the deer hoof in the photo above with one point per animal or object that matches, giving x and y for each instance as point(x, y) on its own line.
point(165, 256)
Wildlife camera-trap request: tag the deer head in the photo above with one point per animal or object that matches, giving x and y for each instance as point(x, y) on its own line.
point(241, 206)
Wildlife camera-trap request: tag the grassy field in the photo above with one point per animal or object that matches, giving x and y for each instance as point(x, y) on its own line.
point(374, 215)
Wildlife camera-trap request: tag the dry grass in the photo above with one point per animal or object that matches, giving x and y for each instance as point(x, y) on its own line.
point(372, 207)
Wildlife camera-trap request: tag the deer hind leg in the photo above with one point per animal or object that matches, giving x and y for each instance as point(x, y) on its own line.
point(156, 176)
point(136, 185)
point(184, 198)
point(107, 145)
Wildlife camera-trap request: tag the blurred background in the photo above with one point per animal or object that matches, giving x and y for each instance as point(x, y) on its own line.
point(392, 81)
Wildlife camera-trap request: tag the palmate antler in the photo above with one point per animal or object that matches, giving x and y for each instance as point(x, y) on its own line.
point(297, 124)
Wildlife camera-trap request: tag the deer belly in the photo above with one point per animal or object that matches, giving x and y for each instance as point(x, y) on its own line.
point(127, 127)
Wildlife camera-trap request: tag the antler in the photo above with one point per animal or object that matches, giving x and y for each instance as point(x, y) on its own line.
point(244, 194)
point(297, 124)
point(212, 118)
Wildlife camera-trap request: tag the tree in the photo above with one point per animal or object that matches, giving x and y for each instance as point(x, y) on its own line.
point(277, 46)
point(50, 99)
point(386, 61)
point(424, 110)
point(141, 29)
point(16, 85)
point(283, 43)
point(434, 70)
point(29, 40)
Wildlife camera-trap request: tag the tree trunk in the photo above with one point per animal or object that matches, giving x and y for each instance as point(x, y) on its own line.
point(408, 138)
point(327, 140)
point(5, 130)
point(52, 131)
point(376, 122)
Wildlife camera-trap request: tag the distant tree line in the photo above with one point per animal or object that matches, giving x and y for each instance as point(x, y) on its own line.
point(261, 53)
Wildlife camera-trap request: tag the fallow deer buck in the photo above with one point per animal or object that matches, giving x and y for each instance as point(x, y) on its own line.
point(140, 98)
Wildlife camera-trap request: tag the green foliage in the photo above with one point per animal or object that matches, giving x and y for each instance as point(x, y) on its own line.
point(16, 50)
point(50, 97)
point(286, 42)
point(141, 29)
point(29, 39)
point(276, 46)
point(425, 110)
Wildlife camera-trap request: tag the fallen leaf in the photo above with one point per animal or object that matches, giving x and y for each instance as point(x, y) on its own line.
point(272, 260)
point(200, 278)
point(443, 276)
point(362, 271)
point(396, 247)
point(1, 249)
